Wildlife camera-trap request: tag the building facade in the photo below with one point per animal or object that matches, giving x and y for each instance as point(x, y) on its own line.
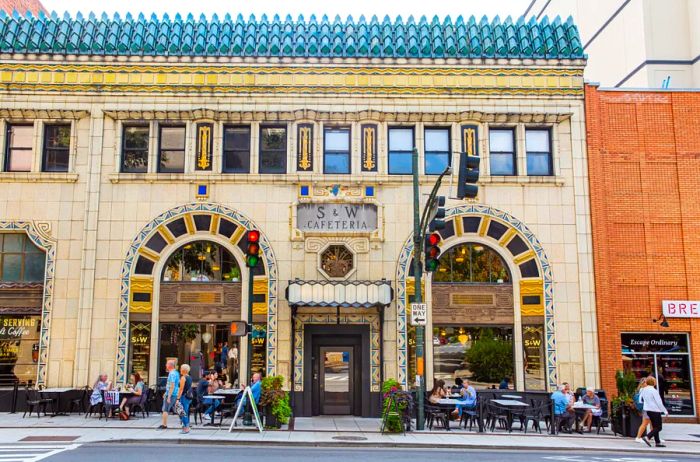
point(643, 162)
point(635, 43)
point(138, 152)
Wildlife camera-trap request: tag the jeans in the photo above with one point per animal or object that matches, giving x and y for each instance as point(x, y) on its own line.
point(185, 419)
point(462, 405)
point(656, 424)
point(213, 404)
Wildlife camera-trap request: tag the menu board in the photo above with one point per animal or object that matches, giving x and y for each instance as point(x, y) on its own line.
point(259, 339)
point(19, 348)
point(140, 345)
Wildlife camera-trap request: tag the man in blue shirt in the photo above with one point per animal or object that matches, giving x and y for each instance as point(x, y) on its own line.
point(468, 400)
point(171, 388)
point(562, 408)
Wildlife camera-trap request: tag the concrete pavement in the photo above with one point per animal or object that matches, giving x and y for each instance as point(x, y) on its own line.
point(325, 431)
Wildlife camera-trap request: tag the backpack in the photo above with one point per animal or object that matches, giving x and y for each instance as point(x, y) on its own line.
point(638, 402)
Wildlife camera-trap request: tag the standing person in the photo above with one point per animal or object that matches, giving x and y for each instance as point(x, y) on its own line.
point(640, 407)
point(171, 388)
point(233, 364)
point(654, 408)
point(184, 395)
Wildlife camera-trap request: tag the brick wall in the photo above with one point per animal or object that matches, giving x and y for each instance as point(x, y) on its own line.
point(644, 174)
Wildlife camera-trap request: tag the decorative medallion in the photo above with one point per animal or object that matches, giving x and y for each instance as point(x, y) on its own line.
point(470, 140)
point(305, 147)
point(337, 261)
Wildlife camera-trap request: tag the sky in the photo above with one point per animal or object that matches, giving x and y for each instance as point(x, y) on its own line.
point(355, 8)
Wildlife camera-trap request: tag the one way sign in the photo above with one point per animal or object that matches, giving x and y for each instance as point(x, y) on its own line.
point(418, 314)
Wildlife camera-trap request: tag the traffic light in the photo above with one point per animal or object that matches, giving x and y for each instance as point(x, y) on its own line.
point(437, 217)
point(432, 252)
point(468, 176)
point(252, 248)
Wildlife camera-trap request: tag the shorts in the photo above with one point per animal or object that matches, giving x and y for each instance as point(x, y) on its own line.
point(645, 415)
point(167, 407)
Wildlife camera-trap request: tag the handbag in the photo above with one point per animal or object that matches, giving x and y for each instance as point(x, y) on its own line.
point(179, 409)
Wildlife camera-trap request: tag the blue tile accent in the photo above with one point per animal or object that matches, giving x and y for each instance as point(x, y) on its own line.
point(202, 190)
point(369, 191)
point(304, 190)
point(276, 37)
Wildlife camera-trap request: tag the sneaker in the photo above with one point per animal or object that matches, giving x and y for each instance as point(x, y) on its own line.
point(639, 440)
point(660, 445)
point(162, 427)
point(646, 441)
point(662, 441)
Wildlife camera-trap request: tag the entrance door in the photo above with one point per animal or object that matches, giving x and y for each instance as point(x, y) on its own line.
point(336, 380)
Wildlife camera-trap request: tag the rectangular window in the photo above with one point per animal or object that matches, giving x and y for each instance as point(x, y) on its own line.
point(56, 148)
point(236, 149)
point(18, 155)
point(539, 152)
point(171, 153)
point(437, 150)
point(401, 151)
point(336, 150)
point(135, 149)
point(502, 151)
point(273, 149)
point(20, 259)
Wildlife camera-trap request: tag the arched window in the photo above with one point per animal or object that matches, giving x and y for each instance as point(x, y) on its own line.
point(472, 263)
point(20, 259)
point(202, 261)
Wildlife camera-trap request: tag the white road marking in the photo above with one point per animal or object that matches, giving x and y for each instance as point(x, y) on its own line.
point(31, 452)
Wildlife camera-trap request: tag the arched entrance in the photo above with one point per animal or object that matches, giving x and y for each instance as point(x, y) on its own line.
point(529, 269)
point(145, 270)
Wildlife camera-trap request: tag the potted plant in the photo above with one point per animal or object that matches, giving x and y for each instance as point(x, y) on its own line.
point(396, 403)
point(275, 402)
point(626, 419)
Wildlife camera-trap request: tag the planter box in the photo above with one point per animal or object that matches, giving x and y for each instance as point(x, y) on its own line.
point(270, 419)
point(626, 423)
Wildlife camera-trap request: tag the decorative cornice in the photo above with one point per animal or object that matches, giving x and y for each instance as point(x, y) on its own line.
point(59, 114)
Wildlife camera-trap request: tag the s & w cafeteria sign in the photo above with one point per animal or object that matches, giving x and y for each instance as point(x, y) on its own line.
point(337, 218)
point(681, 308)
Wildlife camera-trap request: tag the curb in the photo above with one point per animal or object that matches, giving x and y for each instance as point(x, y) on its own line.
point(372, 444)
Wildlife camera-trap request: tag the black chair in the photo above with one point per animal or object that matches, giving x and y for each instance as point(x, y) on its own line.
point(34, 401)
point(78, 402)
point(435, 415)
point(535, 415)
point(498, 415)
point(603, 420)
point(151, 401)
point(196, 407)
point(142, 405)
point(471, 416)
point(546, 410)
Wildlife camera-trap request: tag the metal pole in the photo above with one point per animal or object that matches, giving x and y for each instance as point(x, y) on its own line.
point(247, 416)
point(418, 297)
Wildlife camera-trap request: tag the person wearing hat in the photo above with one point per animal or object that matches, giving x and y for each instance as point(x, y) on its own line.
point(591, 399)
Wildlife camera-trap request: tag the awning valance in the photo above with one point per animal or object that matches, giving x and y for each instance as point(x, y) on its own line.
point(340, 294)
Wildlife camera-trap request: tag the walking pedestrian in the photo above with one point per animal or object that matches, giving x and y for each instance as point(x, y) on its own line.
point(184, 396)
point(640, 407)
point(655, 409)
point(171, 388)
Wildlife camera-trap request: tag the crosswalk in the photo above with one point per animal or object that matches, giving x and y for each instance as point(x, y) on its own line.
point(32, 452)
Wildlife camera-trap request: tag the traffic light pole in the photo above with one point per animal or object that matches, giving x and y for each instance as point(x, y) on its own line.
point(418, 297)
point(419, 225)
point(247, 416)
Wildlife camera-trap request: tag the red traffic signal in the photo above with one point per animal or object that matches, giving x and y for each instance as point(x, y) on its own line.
point(252, 248)
point(432, 252)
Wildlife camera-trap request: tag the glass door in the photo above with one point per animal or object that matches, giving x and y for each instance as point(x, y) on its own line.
point(336, 380)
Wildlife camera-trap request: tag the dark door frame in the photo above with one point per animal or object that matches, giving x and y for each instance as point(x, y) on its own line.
point(317, 335)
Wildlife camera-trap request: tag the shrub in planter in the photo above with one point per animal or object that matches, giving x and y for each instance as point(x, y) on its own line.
point(275, 401)
point(625, 416)
point(394, 409)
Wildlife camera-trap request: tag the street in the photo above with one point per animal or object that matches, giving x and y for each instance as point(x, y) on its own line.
point(159, 452)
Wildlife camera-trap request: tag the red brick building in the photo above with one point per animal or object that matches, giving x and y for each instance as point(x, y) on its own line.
point(22, 6)
point(644, 171)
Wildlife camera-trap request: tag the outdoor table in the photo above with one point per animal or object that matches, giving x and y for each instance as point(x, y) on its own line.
point(580, 409)
point(447, 405)
point(227, 392)
point(217, 398)
point(58, 392)
point(510, 405)
point(518, 397)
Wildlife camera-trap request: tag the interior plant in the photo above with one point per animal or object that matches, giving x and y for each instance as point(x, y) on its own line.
point(275, 400)
point(395, 404)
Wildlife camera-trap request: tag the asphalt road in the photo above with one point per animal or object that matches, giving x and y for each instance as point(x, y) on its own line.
point(195, 452)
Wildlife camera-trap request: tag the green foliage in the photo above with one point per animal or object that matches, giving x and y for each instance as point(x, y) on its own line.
point(189, 331)
point(626, 388)
point(274, 396)
point(490, 359)
point(394, 410)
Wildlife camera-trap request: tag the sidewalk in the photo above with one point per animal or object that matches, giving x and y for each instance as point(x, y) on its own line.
point(325, 431)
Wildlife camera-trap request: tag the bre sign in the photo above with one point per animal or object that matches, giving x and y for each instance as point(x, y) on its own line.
point(337, 218)
point(419, 314)
point(681, 308)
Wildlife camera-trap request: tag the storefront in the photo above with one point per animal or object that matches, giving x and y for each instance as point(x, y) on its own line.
point(666, 357)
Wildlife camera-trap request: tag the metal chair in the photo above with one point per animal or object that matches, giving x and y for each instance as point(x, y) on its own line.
point(141, 405)
point(33, 400)
point(78, 404)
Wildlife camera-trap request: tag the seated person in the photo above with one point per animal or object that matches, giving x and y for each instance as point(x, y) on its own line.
point(458, 386)
point(438, 392)
point(591, 399)
point(562, 409)
point(468, 400)
point(255, 389)
point(505, 384)
point(212, 387)
point(138, 387)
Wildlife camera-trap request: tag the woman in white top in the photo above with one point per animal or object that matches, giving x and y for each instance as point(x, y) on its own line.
point(654, 407)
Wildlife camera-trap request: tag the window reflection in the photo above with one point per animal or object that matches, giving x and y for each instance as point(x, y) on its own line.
point(471, 263)
point(202, 261)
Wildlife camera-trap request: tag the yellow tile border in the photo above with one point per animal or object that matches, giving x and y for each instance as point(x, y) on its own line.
point(148, 253)
point(523, 257)
point(167, 235)
point(237, 235)
point(189, 223)
point(507, 236)
point(484, 226)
